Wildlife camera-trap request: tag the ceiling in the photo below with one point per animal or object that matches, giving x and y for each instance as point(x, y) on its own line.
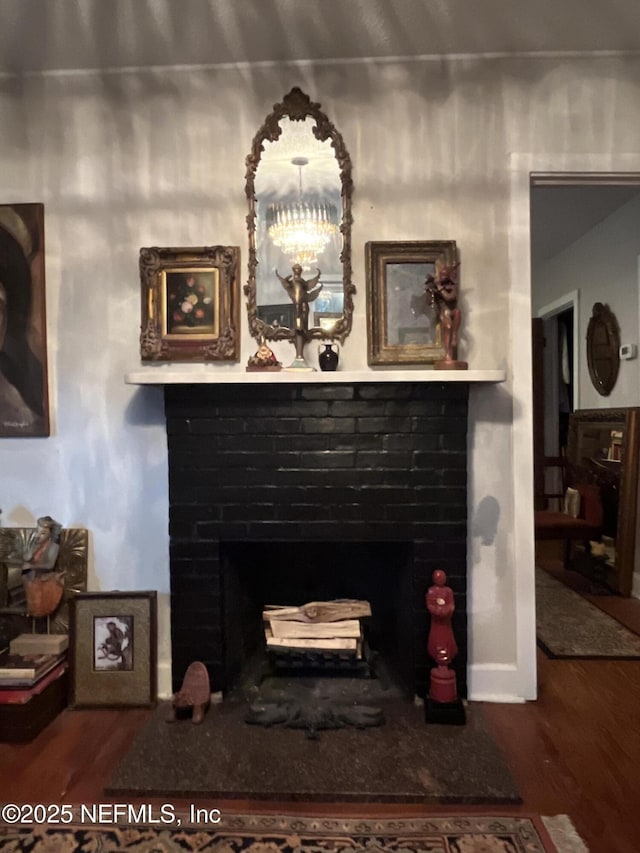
point(81, 34)
point(63, 35)
point(560, 215)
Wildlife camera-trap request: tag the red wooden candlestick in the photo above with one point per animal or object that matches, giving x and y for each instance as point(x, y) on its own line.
point(441, 644)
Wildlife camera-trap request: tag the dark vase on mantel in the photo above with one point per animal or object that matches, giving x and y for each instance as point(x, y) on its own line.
point(328, 357)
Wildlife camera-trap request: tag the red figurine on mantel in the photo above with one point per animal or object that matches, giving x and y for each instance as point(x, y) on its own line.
point(443, 704)
point(442, 291)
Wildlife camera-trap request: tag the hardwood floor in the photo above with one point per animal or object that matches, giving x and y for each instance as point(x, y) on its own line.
point(575, 751)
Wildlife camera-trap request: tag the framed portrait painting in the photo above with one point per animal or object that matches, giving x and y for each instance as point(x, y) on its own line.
point(190, 304)
point(403, 324)
point(24, 398)
point(113, 649)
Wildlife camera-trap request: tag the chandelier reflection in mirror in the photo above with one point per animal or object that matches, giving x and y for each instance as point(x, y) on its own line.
point(302, 229)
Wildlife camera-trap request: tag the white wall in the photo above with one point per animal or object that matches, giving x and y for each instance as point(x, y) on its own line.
point(603, 267)
point(157, 158)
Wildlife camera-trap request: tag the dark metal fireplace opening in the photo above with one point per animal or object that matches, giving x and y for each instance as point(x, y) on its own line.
point(255, 574)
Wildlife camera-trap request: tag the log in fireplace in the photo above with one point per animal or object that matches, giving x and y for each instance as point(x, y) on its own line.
point(285, 493)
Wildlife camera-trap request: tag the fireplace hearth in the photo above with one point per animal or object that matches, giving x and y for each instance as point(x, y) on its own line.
point(283, 494)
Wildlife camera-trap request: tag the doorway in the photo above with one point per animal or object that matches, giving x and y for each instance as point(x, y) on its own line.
point(574, 219)
point(555, 390)
point(528, 170)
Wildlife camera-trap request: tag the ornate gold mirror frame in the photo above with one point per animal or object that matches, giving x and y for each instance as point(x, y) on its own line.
point(297, 107)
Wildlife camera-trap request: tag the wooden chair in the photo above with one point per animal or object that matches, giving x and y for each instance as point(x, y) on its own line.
point(556, 524)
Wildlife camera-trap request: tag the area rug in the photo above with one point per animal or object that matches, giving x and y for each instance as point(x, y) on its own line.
point(569, 626)
point(404, 760)
point(276, 834)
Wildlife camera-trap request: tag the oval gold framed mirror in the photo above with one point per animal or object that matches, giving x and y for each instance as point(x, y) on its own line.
point(603, 349)
point(299, 187)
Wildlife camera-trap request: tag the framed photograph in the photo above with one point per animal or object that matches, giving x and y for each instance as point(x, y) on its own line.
point(112, 647)
point(402, 320)
point(24, 397)
point(190, 304)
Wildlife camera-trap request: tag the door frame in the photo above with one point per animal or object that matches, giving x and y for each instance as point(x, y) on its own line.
point(551, 420)
point(568, 300)
point(557, 169)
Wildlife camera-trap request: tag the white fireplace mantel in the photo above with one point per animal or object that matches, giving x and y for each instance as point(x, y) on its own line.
point(210, 375)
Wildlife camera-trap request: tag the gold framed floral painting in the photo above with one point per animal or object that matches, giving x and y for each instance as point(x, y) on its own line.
point(190, 304)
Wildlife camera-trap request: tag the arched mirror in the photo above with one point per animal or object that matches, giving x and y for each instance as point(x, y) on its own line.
point(298, 185)
point(603, 349)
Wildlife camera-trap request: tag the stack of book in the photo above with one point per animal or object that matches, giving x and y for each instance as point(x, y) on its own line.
point(24, 672)
point(319, 627)
point(32, 692)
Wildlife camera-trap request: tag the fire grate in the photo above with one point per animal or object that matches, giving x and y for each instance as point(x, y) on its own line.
point(326, 662)
point(314, 717)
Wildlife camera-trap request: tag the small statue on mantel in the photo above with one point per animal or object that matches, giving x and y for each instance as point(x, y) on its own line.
point(442, 290)
point(263, 359)
point(443, 704)
point(301, 293)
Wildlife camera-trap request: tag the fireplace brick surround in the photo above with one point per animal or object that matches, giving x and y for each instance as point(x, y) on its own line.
point(314, 465)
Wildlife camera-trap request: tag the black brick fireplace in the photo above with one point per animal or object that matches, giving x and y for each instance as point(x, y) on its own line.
point(280, 492)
